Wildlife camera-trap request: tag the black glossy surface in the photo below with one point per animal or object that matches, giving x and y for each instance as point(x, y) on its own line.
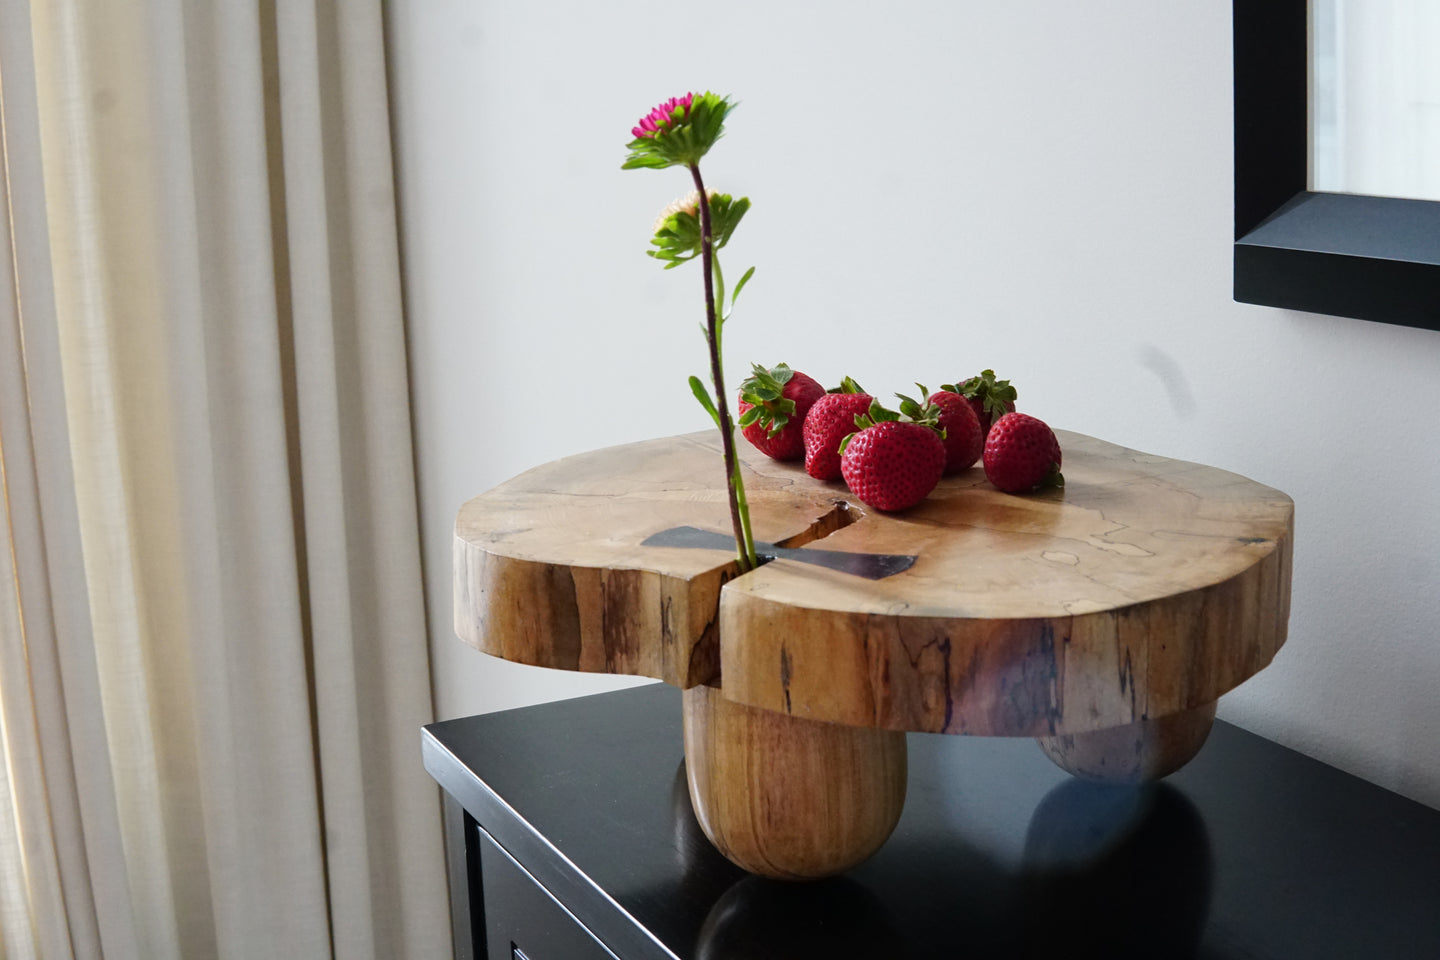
point(1381, 228)
point(1372, 258)
point(1250, 851)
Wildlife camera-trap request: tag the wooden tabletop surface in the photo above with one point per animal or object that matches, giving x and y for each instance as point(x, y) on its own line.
point(1144, 587)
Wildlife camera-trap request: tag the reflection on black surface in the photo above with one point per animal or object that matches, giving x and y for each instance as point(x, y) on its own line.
point(1116, 872)
point(1100, 876)
point(704, 870)
point(754, 918)
point(760, 919)
point(1107, 871)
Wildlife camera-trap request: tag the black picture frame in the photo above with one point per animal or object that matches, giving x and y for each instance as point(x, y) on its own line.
point(1372, 258)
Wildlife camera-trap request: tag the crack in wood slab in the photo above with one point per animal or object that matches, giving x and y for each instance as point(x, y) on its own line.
point(871, 566)
point(1145, 588)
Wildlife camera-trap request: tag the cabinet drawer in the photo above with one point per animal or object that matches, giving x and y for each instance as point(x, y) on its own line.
point(522, 920)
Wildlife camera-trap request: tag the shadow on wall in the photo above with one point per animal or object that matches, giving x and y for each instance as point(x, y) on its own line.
point(1172, 375)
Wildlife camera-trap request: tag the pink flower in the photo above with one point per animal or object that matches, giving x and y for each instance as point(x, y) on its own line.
point(659, 118)
point(678, 132)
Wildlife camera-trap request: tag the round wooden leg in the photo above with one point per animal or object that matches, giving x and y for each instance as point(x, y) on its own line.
point(788, 798)
point(1135, 753)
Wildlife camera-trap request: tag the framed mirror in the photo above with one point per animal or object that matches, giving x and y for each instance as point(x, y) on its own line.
point(1350, 254)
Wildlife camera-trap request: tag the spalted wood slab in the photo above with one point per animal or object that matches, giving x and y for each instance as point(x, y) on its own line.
point(550, 569)
point(1146, 587)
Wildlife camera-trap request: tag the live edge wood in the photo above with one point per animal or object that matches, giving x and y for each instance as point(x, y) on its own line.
point(549, 569)
point(1145, 587)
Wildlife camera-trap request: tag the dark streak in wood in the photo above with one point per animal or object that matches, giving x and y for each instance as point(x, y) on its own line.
point(561, 621)
point(785, 675)
point(667, 624)
point(704, 665)
point(1127, 679)
point(620, 590)
point(945, 672)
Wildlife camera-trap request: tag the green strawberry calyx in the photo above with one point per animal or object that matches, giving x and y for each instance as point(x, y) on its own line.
point(924, 413)
point(847, 385)
point(993, 394)
point(910, 412)
point(764, 390)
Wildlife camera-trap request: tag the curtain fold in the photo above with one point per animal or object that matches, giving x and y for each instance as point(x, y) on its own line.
point(64, 817)
point(239, 597)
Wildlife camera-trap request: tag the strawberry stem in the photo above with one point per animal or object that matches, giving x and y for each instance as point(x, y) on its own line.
point(739, 507)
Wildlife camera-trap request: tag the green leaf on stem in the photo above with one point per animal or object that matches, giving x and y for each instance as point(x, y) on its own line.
point(741, 286)
point(725, 216)
point(719, 279)
point(703, 395)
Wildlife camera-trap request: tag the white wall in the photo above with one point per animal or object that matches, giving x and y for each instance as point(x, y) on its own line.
point(1044, 188)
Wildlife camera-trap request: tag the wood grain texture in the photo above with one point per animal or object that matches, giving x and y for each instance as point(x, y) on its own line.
point(1135, 753)
point(1146, 587)
point(549, 571)
point(786, 798)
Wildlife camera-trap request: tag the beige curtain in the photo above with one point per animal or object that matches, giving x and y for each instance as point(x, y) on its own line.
point(213, 662)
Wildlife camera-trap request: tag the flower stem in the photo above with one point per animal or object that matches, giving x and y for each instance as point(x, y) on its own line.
point(739, 508)
point(737, 487)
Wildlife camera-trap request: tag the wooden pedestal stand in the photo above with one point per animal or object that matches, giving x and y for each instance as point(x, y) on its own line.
point(1104, 619)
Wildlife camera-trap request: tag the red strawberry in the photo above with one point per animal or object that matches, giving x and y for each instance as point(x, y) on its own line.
point(964, 440)
point(989, 398)
point(892, 464)
point(829, 422)
point(773, 404)
point(1022, 454)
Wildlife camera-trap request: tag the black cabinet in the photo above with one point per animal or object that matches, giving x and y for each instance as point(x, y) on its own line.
point(523, 920)
point(571, 837)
